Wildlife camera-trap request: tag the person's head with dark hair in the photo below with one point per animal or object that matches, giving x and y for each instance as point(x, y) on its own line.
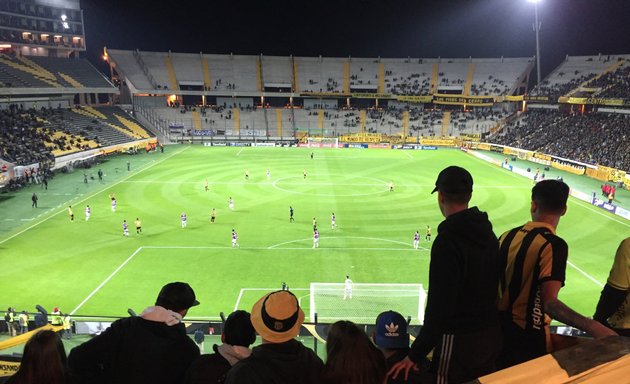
point(549, 201)
point(352, 357)
point(238, 329)
point(454, 186)
point(44, 360)
point(551, 196)
point(177, 297)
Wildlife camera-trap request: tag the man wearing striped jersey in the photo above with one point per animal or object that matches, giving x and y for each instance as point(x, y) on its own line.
point(125, 228)
point(533, 262)
point(213, 215)
point(206, 187)
point(235, 239)
point(315, 238)
point(184, 220)
point(87, 213)
point(427, 237)
point(314, 224)
point(138, 226)
point(416, 240)
point(70, 213)
point(333, 222)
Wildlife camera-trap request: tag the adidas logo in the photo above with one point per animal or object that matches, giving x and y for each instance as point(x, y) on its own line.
point(392, 330)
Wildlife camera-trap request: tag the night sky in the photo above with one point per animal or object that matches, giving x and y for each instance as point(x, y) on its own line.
point(361, 28)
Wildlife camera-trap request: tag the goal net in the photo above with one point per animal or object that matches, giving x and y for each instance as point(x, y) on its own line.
point(322, 142)
point(367, 302)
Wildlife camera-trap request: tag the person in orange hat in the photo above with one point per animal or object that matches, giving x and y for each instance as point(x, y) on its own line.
point(277, 317)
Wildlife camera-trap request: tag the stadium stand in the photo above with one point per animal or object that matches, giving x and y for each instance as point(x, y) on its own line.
point(574, 72)
point(45, 72)
point(599, 138)
point(32, 136)
point(250, 74)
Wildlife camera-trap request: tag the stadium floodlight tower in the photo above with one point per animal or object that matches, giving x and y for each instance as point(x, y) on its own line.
point(537, 30)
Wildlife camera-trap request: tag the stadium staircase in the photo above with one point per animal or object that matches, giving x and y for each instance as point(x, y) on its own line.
point(294, 75)
point(279, 130)
point(259, 74)
point(435, 74)
point(145, 69)
point(446, 122)
point(346, 77)
point(362, 120)
point(172, 78)
point(236, 116)
point(469, 78)
point(196, 120)
point(405, 123)
point(381, 78)
point(207, 80)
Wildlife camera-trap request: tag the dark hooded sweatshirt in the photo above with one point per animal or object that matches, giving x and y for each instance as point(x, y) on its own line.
point(463, 280)
point(284, 363)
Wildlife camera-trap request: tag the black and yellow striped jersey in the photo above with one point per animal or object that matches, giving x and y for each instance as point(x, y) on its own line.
point(529, 255)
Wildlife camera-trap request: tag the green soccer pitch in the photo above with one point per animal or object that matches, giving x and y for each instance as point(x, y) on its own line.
point(90, 268)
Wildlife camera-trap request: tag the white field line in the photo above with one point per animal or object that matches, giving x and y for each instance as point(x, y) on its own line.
point(239, 152)
point(584, 205)
point(591, 278)
point(283, 249)
point(240, 295)
point(313, 184)
point(92, 195)
point(105, 281)
point(238, 300)
point(342, 237)
point(408, 155)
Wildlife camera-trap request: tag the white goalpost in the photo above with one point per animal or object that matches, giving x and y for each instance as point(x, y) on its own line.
point(368, 300)
point(322, 142)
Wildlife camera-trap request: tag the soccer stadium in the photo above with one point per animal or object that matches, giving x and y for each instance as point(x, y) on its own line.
point(310, 176)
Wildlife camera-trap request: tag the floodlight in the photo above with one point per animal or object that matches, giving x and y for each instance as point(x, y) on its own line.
point(534, 1)
point(65, 25)
point(64, 17)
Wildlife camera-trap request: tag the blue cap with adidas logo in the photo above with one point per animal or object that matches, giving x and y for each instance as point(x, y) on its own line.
point(391, 331)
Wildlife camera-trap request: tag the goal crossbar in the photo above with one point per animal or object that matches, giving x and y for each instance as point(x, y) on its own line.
point(363, 302)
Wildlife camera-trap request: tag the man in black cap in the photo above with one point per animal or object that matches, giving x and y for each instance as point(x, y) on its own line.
point(461, 321)
point(150, 348)
point(238, 334)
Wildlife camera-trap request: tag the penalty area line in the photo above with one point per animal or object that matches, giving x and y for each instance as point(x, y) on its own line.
point(105, 281)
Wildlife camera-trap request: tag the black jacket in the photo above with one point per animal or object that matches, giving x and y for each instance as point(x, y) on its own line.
point(134, 350)
point(284, 363)
point(208, 369)
point(463, 280)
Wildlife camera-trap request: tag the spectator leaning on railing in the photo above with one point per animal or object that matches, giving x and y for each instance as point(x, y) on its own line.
point(151, 348)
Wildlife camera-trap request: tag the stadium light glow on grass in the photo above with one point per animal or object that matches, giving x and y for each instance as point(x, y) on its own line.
point(90, 268)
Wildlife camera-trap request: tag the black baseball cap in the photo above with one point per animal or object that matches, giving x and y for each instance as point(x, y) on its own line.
point(454, 179)
point(176, 296)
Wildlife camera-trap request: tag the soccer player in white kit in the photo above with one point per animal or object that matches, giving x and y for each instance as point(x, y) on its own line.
point(231, 203)
point(234, 239)
point(316, 239)
point(113, 204)
point(268, 174)
point(416, 240)
point(87, 213)
point(125, 228)
point(184, 220)
point(347, 291)
point(333, 223)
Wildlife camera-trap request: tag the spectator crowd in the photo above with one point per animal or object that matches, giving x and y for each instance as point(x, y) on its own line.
point(598, 138)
